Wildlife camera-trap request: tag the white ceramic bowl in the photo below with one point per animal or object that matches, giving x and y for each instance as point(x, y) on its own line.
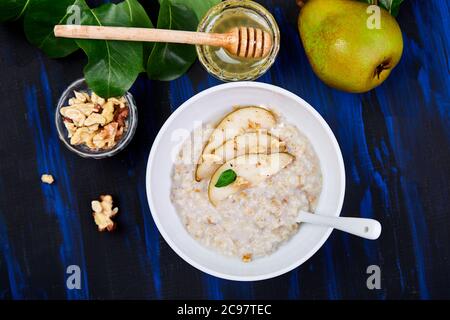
point(208, 107)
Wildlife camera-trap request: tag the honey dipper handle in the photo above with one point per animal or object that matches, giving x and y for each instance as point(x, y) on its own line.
point(141, 34)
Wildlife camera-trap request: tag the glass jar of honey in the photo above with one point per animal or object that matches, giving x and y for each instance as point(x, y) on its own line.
point(225, 16)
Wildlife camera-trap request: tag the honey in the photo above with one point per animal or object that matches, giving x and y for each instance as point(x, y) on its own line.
point(229, 19)
point(225, 16)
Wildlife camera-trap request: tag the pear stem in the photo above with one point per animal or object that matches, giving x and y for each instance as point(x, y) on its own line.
point(301, 3)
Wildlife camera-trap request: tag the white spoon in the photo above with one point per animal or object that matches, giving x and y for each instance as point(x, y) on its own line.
point(365, 228)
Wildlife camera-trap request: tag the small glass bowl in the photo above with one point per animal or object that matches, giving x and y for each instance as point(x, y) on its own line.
point(82, 150)
point(229, 7)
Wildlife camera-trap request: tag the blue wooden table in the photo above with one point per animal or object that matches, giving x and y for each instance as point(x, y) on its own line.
point(395, 141)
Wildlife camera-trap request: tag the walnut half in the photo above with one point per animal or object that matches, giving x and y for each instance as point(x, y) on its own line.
point(103, 212)
point(47, 178)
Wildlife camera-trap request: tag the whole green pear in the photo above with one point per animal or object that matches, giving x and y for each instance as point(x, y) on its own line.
point(345, 46)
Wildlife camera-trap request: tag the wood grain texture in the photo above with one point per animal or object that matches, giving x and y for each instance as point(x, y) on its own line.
point(235, 41)
point(395, 141)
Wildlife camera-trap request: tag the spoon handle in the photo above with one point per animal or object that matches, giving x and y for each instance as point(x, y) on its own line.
point(365, 228)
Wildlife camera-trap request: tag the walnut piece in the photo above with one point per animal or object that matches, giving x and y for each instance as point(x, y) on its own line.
point(85, 108)
point(47, 178)
point(108, 112)
point(82, 135)
point(122, 115)
point(103, 212)
point(241, 182)
point(73, 114)
point(71, 128)
point(94, 118)
point(247, 257)
point(80, 96)
point(97, 100)
point(253, 125)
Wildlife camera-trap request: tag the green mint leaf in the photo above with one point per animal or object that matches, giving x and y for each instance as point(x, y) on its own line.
point(227, 177)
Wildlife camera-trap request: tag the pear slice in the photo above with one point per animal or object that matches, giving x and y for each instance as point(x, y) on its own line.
point(250, 142)
point(236, 123)
point(250, 170)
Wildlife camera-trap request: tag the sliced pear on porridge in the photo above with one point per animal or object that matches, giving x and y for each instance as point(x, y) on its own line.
point(250, 142)
point(244, 172)
point(233, 124)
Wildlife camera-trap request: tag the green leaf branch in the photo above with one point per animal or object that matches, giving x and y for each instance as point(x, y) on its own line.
point(113, 66)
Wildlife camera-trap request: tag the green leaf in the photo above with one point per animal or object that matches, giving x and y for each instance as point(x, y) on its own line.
point(169, 61)
point(114, 65)
point(200, 7)
point(392, 6)
point(40, 19)
point(12, 9)
point(227, 177)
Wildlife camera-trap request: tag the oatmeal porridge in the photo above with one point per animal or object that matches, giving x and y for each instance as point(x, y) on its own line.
point(251, 221)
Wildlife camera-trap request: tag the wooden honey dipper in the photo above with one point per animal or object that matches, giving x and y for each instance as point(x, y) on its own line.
point(245, 42)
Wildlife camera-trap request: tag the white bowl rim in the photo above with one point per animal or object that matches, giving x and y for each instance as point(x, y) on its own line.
point(231, 85)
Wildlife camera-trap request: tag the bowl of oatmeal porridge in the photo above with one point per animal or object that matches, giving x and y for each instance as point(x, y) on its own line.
point(230, 170)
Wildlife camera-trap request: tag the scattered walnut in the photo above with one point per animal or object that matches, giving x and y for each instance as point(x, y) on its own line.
point(108, 111)
point(103, 212)
point(98, 108)
point(247, 257)
point(93, 127)
point(311, 198)
point(119, 133)
point(82, 135)
point(47, 178)
point(94, 118)
point(241, 182)
point(80, 96)
point(106, 137)
point(71, 128)
point(97, 100)
point(99, 140)
point(123, 102)
point(253, 125)
point(74, 114)
point(95, 122)
point(122, 115)
point(114, 101)
point(85, 108)
point(111, 132)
